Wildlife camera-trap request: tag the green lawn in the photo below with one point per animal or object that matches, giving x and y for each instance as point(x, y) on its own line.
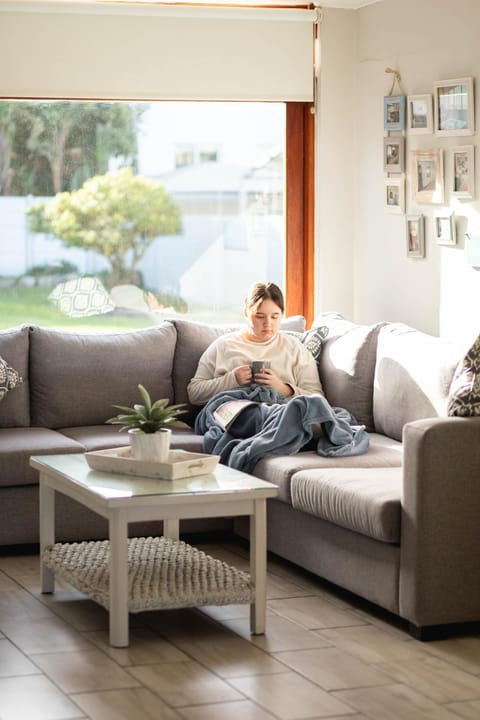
point(30, 305)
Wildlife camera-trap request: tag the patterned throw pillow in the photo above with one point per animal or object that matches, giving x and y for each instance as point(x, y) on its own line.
point(464, 395)
point(313, 339)
point(9, 378)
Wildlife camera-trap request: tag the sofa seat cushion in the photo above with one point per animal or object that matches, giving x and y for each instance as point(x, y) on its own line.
point(365, 500)
point(18, 444)
point(77, 378)
point(413, 375)
point(101, 437)
point(383, 452)
point(15, 408)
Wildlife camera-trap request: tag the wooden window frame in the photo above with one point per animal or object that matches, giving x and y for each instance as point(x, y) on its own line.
point(300, 193)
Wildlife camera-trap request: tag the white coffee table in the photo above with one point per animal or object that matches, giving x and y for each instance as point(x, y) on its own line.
point(123, 499)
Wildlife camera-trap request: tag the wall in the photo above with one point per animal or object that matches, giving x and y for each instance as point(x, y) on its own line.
point(428, 41)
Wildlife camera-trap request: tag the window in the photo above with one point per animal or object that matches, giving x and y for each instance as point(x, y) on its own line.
point(207, 221)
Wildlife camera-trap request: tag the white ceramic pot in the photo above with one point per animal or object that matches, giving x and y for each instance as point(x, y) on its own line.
point(152, 447)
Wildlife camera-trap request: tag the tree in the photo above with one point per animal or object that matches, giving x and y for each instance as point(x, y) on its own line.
point(118, 215)
point(50, 147)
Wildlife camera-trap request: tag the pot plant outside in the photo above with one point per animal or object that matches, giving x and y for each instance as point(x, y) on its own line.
point(149, 426)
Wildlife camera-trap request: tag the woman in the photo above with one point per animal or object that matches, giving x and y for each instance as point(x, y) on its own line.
point(227, 363)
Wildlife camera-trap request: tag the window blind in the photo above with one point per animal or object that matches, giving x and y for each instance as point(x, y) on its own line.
point(151, 52)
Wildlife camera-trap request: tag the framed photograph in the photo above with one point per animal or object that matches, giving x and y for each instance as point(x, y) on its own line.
point(394, 154)
point(395, 195)
point(415, 236)
point(453, 103)
point(427, 175)
point(394, 112)
point(444, 229)
point(463, 171)
point(419, 114)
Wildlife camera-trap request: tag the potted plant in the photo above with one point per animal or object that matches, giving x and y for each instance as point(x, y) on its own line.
point(148, 425)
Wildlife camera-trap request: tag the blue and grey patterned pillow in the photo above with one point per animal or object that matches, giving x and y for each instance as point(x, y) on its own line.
point(464, 394)
point(9, 378)
point(313, 339)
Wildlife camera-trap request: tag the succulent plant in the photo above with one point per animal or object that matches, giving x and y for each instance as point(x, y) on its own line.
point(149, 417)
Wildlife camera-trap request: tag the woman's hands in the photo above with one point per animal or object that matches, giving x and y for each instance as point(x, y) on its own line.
point(265, 377)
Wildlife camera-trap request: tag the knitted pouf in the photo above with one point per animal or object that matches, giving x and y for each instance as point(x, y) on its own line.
point(162, 574)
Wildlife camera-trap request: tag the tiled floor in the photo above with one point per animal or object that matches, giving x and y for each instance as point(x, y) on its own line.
point(322, 657)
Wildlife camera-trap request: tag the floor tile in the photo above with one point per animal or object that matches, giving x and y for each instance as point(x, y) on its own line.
point(43, 635)
point(290, 696)
point(315, 612)
point(185, 683)
point(333, 669)
point(280, 634)
point(243, 710)
point(373, 645)
point(84, 671)
point(13, 662)
point(34, 697)
point(18, 604)
point(82, 614)
point(435, 678)
point(394, 702)
point(469, 710)
point(145, 648)
point(133, 704)
point(463, 652)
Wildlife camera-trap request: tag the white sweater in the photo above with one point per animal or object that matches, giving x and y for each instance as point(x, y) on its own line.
point(290, 360)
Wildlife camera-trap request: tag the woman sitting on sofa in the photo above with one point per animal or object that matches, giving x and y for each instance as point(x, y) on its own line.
point(227, 363)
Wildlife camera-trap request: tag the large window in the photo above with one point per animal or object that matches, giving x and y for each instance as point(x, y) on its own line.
point(123, 214)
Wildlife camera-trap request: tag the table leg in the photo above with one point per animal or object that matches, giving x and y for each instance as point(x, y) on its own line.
point(258, 566)
point(171, 528)
point(118, 579)
point(47, 532)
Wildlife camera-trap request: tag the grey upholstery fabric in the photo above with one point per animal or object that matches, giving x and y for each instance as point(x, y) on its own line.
point(366, 500)
point(18, 444)
point(15, 406)
point(78, 377)
point(383, 453)
point(347, 366)
point(100, 437)
point(412, 377)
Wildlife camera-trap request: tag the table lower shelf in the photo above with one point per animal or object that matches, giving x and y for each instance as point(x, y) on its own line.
point(162, 574)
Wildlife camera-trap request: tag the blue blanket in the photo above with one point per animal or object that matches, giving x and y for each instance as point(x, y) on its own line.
point(278, 426)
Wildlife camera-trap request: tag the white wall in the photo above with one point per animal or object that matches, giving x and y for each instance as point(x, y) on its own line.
point(428, 41)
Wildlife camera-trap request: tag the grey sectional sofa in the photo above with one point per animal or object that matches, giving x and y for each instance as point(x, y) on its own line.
point(398, 526)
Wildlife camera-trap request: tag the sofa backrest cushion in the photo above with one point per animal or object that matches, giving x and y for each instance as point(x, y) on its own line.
point(76, 378)
point(15, 406)
point(413, 374)
point(193, 338)
point(347, 365)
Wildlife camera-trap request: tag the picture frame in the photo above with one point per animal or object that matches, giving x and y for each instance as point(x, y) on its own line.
point(444, 228)
point(454, 107)
point(394, 154)
point(427, 175)
point(462, 171)
point(419, 114)
point(394, 112)
point(395, 195)
point(415, 227)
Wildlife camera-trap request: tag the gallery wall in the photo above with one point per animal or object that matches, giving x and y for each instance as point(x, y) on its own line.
point(360, 244)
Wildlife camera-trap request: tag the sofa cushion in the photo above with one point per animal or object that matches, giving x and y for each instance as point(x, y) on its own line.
point(193, 338)
point(18, 444)
point(412, 378)
point(365, 500)
point(464, 394)
point(101, 437)
point(77, 378)
point(347, 366)
point(15, 406)
point(382, 452)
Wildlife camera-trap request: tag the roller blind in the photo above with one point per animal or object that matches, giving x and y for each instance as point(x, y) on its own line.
point(114, 51)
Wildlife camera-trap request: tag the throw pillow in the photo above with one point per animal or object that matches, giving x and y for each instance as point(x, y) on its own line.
point(9, 378)
point(464, 395)
point(312, 339)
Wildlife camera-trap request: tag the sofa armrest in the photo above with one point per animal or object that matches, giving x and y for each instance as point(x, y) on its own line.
point(440, 537)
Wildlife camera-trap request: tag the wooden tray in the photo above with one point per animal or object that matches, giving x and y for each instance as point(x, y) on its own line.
point(181, 463)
